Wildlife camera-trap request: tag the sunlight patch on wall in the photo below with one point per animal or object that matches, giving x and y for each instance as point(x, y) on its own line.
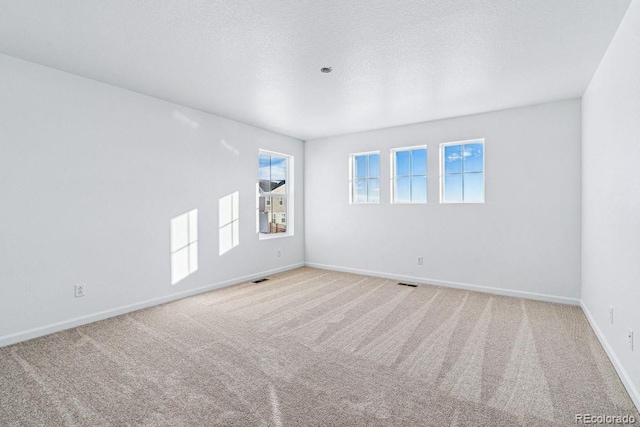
point(185, 120)
point(229, 222)
point(184, 245)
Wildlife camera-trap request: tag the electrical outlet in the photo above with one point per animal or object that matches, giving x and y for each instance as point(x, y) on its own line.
point(611, 314)
point(630, 338)
point(420, 260)
point(79, 291)
point(279, 252)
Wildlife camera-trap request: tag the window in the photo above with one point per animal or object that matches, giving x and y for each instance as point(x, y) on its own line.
point(462, 172)
point(283, 218)
point(364, 178)
point(228, 222)
point(184, 245)
point(409, 175)
point(275, 194)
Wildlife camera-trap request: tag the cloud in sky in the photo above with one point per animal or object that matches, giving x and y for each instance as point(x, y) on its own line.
point(454, 157)
point(466, 152)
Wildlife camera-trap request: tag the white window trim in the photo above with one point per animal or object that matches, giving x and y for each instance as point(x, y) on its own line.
point(351, 178)
point(290, 198)
point(393, 173)
point(484, 172)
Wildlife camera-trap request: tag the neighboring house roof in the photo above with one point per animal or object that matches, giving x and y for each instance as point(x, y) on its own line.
point(269, 186)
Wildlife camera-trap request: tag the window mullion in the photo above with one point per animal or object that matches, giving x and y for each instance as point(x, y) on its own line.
point(410, 176)
point(367, 182)
point(367, 175)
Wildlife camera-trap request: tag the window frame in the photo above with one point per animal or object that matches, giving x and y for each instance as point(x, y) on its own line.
point(289, 196)
point(352, 158)
point(443, 174)
point(392, 155)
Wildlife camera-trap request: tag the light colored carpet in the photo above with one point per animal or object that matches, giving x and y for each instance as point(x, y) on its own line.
point(315, 348)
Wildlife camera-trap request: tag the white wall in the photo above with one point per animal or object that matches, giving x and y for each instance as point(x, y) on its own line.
point(524, 239)
point(611, 201)
point(90, 176)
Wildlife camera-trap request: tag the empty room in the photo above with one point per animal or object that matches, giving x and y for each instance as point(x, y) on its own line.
point(335, 213)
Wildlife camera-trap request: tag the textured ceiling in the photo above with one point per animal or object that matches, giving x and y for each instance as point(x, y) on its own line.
point(394, 61)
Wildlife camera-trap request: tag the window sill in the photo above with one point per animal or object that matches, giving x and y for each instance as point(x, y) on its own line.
point(269, 236)
point(409, 203)
point(462, 203)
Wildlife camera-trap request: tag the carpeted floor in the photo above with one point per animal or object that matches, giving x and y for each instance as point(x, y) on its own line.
point(318, 348)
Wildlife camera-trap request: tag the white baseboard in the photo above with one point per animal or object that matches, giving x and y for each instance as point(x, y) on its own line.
point(447, 284)
point(622, 373)
point(83, 320)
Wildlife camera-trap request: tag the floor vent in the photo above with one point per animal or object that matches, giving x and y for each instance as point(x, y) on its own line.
point(260, 280)
point(407, 284)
